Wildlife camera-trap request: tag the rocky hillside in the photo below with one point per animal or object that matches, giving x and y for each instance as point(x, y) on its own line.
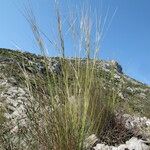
point(133, 94)
point(133, 97)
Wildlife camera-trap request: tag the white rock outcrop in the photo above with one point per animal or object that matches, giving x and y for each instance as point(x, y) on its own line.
point(132, 144)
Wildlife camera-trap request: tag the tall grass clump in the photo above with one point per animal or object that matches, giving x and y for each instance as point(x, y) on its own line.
point(68, 106)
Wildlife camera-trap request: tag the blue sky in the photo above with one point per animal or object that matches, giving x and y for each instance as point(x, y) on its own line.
point(127, 40)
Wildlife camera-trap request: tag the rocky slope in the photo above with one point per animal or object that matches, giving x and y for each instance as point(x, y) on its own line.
point(133, 96)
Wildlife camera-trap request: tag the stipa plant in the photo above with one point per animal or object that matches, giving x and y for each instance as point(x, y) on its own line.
point(66, 107)
point(73, 109)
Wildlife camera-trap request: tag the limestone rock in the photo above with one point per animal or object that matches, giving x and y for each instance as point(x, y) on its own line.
point(90, 141)
point(132, 144)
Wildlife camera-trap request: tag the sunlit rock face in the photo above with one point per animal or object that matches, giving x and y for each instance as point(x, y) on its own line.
point(12, 100)
point(132, 144)
point(93, 143)
point(116, 65)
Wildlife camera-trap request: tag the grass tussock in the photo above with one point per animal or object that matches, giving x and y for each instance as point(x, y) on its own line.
point(77, 104)
point(67, 107)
